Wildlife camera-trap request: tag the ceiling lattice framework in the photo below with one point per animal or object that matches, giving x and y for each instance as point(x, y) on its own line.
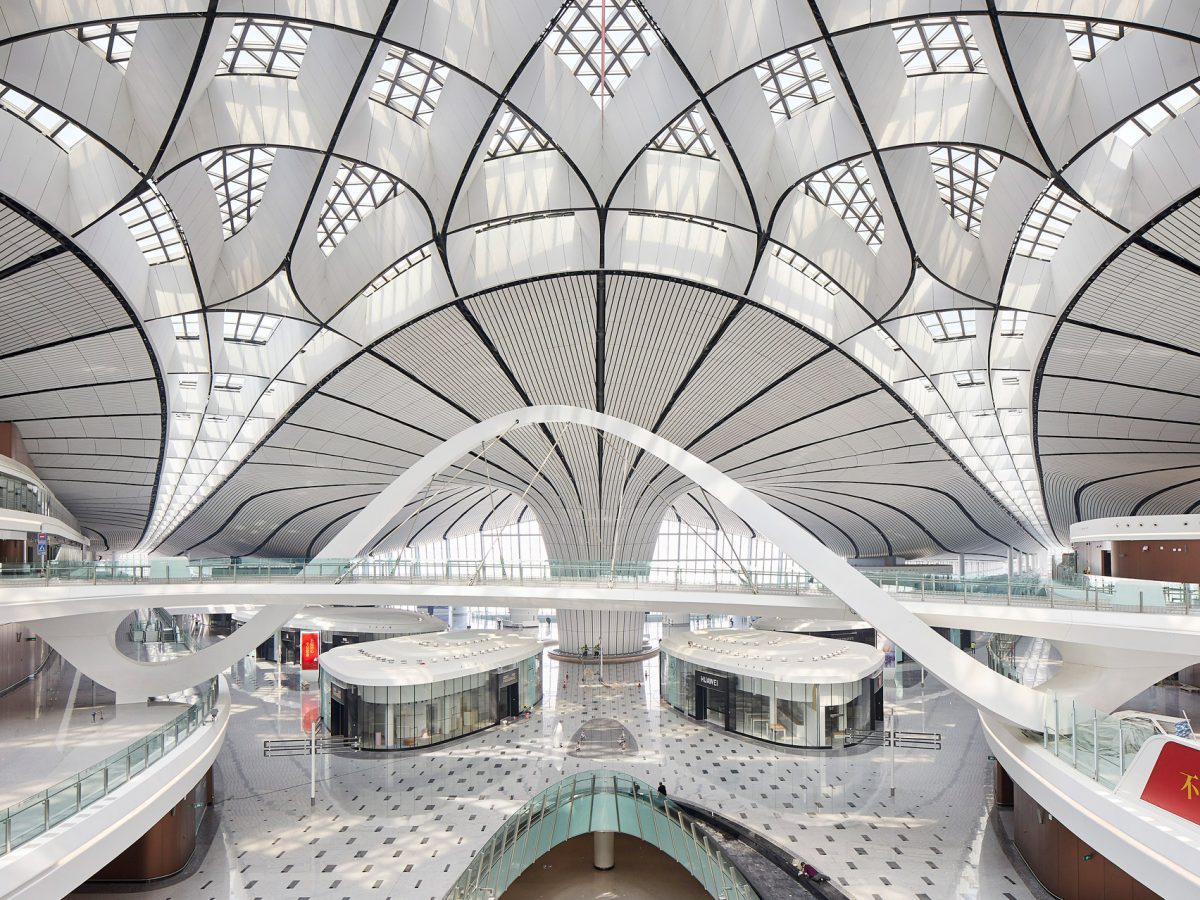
point(422, 215)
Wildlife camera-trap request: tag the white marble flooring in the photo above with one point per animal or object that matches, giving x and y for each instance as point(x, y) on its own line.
point(405, 825)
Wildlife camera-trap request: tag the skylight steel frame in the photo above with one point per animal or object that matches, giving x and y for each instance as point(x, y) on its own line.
point(239, 176)
point(112, 40)
point(809, 270)
point(793, 81)
point(228, 382)
point(846, 189)
point(688, 135)
point(964, 176)
point(357, 190)
point(153, 226)
point(243, 327)
point(410, 83)
point(1013, 322)
point(1086, 38)
point(965, 378)
point(1154, 116)
point(934, 45)
point(186, 326)
point(265, 46)
point(515, 134)
point(38, 115)
point(1047, 224)
point(949, 324)
point(602, 41)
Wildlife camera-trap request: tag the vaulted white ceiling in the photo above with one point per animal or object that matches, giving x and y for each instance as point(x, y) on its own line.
point(927, 283)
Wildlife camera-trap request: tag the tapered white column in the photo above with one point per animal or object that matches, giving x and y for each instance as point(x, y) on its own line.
point(603, 850)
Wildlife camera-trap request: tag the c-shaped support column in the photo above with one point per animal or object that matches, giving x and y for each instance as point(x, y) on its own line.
point(975, 681)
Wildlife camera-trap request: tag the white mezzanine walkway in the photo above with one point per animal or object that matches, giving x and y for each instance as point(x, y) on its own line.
point(404, 826)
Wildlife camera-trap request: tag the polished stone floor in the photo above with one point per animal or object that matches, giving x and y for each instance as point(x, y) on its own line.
point(404, 826)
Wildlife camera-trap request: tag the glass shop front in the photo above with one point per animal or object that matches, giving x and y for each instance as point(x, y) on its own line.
point(411, 716)
point(795, 714)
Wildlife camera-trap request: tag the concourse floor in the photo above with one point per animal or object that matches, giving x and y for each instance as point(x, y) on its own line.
point(405, 825)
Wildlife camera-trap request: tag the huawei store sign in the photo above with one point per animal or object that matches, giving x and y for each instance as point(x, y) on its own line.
point(310, 649)
point(1174, 783)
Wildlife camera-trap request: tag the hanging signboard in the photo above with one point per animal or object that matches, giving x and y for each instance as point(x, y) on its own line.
point(310, 649)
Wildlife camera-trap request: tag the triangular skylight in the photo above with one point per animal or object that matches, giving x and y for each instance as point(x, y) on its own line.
point(153, 226)
point(357, 190)
point(793, 81)
point(515, 134)
point(937, 44)
point(112, 40)
point(602, 41)
point(265, 47)
point(963, 176)
point(1087, 38)
point(238, 176)
point(410, 83)
point(846, 189)
point(687, 134)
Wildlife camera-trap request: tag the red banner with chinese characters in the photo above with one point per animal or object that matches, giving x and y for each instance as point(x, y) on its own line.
point(310, 649)
point(310, 709)
point(1174, 782)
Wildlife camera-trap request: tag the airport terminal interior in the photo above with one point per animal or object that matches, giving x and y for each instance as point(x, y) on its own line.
point(600, 449)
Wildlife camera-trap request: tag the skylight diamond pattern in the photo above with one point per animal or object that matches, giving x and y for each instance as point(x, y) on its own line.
point(112, 40)
point(937, 44)
point(411, 84)
point(1047, 224)
point(265, 47)
point(687, 134)
point(62, 131)
point(357, 190)
point(153, 226)
point(1086, 38)
point(602, 41)
point(238, 176)
point(515, 134)
point(793, 81)
point(846, 189)
point(963, 177)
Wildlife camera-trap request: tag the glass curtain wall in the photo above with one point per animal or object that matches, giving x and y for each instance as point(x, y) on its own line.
point(705, 556)
point(510, 547)
point(792, 713)
point(406, 717)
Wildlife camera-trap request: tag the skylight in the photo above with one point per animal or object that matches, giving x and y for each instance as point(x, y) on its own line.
point(793, 81)
point(396, 269)
point(238, 176)
point(937, 44)
point(602, 41)
point(249, 327)
point(62, 131)
point(1157, 114)
point(805, 268)
point(1012, 322)
point(153, 226)
point(411, 84)
point(963, 177)
point(265, 47)
point(357, 190)
point(846, 189)
point(949, 324)
point(112, 40)
point(223, 381)
point(186, 326)
point(970, 378)
point(885, 337)
point(1086, 38)
point(1046, 224)
point(687, 134)
point(515, 134)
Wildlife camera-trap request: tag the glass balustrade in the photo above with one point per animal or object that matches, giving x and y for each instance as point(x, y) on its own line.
point(1099, 745)
point(597, 801)
point(34, 815)
point(1087, 592)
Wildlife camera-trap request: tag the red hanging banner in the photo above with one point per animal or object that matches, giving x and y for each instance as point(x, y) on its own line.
point(1174, 782)
point(310, 649)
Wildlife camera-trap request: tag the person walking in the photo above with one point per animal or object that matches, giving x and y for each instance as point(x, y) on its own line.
point(662, 788)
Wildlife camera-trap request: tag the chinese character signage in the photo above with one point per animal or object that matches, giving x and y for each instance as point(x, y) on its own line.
point(1174, 783)
point(310, 649)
